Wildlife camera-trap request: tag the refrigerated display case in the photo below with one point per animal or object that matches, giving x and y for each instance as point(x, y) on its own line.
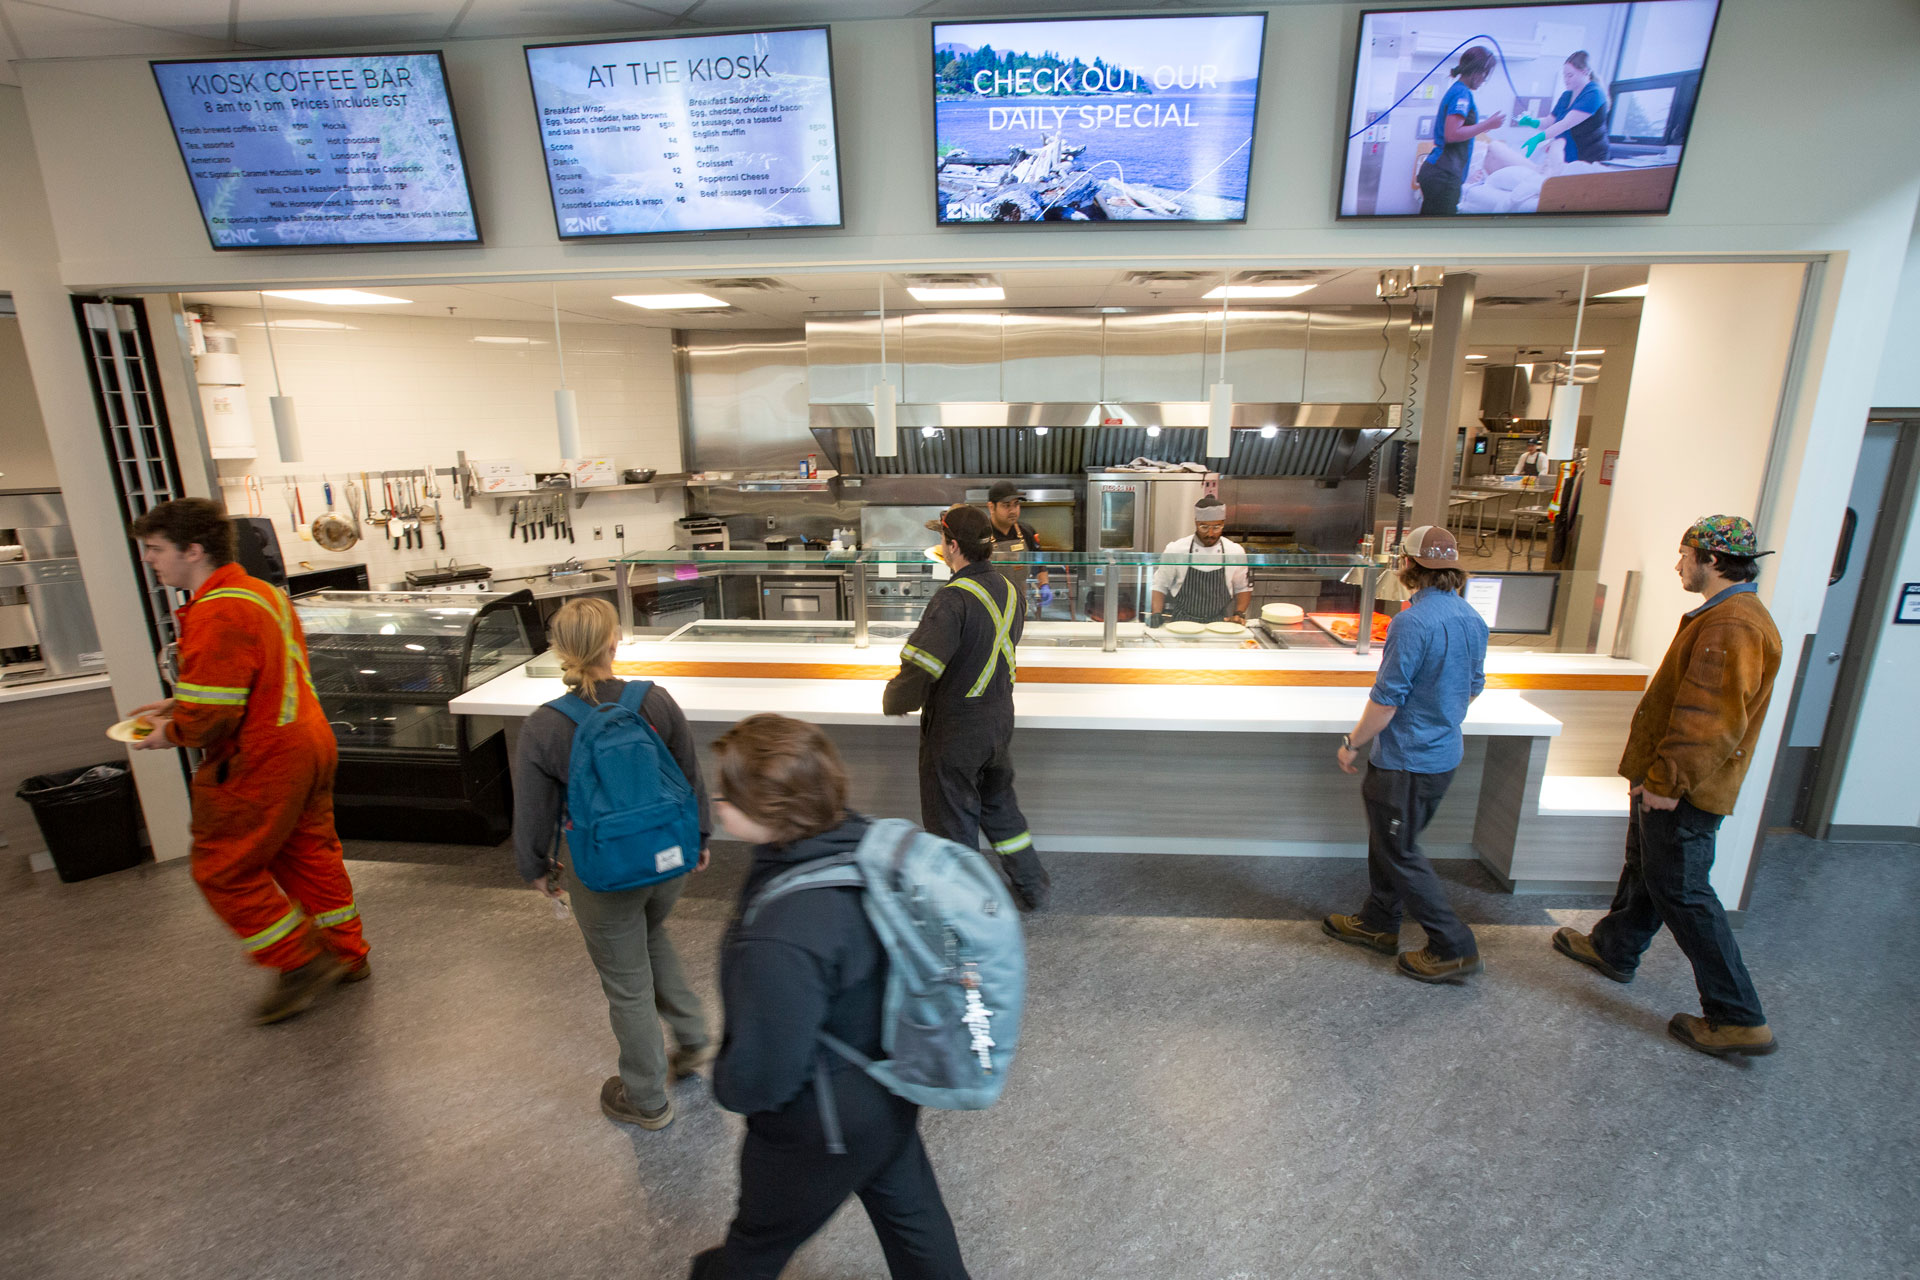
point(385, 665)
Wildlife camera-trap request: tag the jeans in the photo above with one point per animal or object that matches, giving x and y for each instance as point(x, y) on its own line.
point(626, 936)
point(1399, 807)
point(1669, 857)
point(790, 1187)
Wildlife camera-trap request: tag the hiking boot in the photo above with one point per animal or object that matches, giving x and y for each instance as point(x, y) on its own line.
point(1026, 879)
point(1349, 929)
point(1578, 946)
point(1424, 966)
point(296, 989)
point(613, 1101)
point(1721, 1039)
point(358, 972)
point(684, 1062)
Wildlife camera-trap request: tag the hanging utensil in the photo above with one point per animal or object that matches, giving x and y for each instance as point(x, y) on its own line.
point(329, 530)
point(300, 505)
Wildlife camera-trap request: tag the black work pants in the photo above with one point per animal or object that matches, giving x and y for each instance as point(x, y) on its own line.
point(1439, 192)
point(790, 1186)
point(1666, 881)
point(966, 787)
point(1399, 807)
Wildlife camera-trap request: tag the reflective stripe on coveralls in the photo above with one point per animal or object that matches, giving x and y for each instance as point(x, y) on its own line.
point(211, 695)
point(1015, 844)
point(274, 932)
point(924, 660)
point(296, 661)
point(338, 916)
point(1002, 630)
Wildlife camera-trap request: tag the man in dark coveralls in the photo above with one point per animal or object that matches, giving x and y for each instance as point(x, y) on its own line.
point(957, 669)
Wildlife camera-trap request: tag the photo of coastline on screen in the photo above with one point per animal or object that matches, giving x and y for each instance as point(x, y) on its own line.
point(1094, 120)
point(1590, 104)
point(358, 149)
point(731, 132)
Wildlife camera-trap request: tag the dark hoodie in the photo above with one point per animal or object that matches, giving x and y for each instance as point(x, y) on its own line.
point(808, 963)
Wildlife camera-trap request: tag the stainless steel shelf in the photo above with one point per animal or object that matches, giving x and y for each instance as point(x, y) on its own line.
point(580, 493)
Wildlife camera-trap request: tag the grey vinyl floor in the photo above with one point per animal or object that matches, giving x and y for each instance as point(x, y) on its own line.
point(1207, 1088)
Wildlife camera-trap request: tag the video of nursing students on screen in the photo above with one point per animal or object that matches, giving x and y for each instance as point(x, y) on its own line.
point(1096, 120)
point(1523, 109)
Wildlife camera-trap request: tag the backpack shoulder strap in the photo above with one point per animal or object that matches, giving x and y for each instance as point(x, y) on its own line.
point(634, 695)
point(841, 871)
point(573, 707)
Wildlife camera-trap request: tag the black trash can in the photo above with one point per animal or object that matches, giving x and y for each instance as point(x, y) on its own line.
point(90, 818)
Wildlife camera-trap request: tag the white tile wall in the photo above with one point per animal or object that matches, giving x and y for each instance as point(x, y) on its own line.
point(408, 391)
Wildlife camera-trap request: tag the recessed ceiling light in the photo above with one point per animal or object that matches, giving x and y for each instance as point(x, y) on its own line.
point(670, 301)
point(1590, 351)
point(1631, 291)
point(503, 341)
point(1269, 431)
point(338, 297)
point(957, 292)
point(1256, 291)
point(303, 322)
point(1476, 357)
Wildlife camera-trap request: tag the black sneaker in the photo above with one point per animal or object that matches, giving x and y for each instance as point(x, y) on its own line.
point(296, 989)
point(614, 1103)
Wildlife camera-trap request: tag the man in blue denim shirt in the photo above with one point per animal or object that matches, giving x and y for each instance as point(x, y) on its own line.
point(1433, 665)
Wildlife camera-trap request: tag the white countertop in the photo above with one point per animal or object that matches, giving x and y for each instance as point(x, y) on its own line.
point(52, 688)
point(1208, 708)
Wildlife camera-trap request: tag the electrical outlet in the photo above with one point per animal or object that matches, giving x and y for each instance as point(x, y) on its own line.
point(596, 533)
point(620, 532)
point(769, 522)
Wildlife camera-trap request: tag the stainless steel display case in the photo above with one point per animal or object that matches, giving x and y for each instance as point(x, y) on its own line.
point(385, 664)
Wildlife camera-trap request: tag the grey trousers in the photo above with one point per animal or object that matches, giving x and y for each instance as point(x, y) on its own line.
point(626, 936)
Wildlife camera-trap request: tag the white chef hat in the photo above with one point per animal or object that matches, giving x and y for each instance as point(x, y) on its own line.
point(1209, 508)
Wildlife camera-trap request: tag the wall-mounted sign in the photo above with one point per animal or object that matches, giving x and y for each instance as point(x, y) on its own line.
point(1607, 463)
point(1909, 608)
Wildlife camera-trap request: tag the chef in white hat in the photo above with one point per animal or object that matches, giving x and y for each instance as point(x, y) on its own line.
point(1200, 591)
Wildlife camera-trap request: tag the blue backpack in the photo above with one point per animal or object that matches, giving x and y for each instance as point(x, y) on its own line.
point(956, 966)
point(632, 819)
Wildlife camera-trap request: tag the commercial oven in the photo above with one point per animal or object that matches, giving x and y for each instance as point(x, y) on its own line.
point(1142, 510)
point(793, 598)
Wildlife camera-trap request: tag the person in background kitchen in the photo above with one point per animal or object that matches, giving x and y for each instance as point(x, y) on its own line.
point(1012, 538)
point(1432, 666)
point(1533, 462)
point(1201, 592)
point(625, 932)
point(1687, 753)
point(808, 964)
point(265, 852)
point(957, 670)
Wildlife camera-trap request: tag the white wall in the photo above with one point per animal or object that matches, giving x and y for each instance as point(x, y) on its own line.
point(25, 460)
point(396, 392)
point(29, 271)
point(1898, 386)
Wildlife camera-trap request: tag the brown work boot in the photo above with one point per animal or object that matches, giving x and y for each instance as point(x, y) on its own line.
point(614, 1102)
point(358, 972)
point(1721, 1039)
point(1579, 946)
point(296, 989)
point(683, 1062)
point(1349, 929)
point(1424, 966)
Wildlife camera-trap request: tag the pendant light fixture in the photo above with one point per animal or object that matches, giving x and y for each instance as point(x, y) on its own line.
point(286, 427)
point(1563, 419)
point(566, 406)
point(886, 421)
point(1220, 399)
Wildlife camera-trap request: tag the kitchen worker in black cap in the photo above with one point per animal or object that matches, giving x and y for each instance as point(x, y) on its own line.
point(1013, 540)
point(957, 670)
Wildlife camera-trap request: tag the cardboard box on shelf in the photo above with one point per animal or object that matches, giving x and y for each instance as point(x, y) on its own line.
point(591, 473)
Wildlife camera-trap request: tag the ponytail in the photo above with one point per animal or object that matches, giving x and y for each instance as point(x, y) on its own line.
point(581, 632)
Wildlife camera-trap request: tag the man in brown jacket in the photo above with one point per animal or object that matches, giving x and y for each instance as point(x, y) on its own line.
point(1687, 752)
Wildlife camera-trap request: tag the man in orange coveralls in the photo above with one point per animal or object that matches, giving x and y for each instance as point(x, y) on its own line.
point(264, 849)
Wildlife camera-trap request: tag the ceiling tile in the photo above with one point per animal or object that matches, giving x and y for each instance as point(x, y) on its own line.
point(205, 18)
point(47, 32)
point(289, 24)
point(536, 19)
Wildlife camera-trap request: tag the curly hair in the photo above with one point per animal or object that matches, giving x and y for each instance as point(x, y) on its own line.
point(186, 521)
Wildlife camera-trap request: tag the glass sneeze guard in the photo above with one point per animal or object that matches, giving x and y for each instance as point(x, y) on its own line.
point(1110, 574)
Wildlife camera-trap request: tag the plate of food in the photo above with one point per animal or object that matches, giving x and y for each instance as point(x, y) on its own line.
point(133, 729)
point(1345, 627)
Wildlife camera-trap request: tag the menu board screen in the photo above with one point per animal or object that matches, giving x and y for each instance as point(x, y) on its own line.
point(359, 150)
point(691, 133)
point(1096, 119)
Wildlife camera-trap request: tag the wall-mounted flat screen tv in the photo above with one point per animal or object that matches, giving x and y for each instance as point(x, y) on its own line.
point(689, 133)
point(1523, 109)
point(297, 152)
point(1096, 119)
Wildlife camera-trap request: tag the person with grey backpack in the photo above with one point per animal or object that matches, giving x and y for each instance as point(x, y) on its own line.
point(872, 968)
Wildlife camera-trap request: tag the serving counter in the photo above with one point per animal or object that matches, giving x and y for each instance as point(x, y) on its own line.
point(1163, 747)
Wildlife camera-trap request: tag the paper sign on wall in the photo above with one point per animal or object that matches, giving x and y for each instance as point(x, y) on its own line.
point(1483, 595)
point(1909, 608)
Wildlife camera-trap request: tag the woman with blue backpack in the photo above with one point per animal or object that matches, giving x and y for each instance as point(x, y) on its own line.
point(805, 973)
point(613, 765)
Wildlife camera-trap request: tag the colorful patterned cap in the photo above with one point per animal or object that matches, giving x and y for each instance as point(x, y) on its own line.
point(1729, 535)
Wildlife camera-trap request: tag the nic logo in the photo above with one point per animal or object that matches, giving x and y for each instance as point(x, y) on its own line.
point(584, 226)
point(237, 237)
point(967, 211)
